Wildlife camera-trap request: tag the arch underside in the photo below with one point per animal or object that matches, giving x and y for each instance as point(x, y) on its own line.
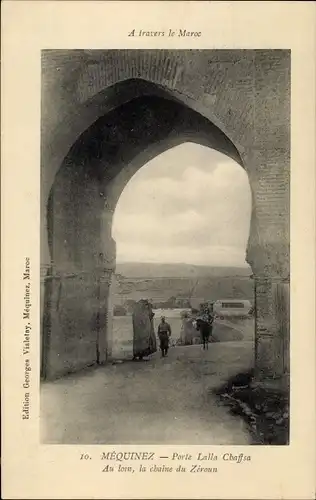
point(80, 210)
point(101, 162)
point(140, 120)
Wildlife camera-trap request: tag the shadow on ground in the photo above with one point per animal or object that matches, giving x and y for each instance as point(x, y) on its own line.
point(265, 410)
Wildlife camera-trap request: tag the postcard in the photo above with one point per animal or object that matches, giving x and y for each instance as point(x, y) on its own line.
point(158, 229)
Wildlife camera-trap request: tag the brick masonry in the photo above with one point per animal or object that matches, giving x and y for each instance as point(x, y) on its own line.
point(236, 101)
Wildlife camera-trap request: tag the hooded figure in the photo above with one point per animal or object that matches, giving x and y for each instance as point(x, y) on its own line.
point(144, 339)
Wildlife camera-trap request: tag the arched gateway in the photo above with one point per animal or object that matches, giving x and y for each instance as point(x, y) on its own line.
point(107, 113)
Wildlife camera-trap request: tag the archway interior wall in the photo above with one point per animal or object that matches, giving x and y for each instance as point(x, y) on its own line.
point(80, 209)
point(74, 221)
point(107, 144)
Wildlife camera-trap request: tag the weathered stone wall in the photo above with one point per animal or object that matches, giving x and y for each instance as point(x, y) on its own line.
point(76, 286)
point(88, 185)
point(242, 104)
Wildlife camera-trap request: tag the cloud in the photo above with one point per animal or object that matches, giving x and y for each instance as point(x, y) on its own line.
point(195, 216)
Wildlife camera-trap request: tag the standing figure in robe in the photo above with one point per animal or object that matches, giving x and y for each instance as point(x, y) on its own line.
point(144, 338)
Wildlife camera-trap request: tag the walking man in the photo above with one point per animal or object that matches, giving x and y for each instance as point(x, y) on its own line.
point(204, 323)
point(164, 333)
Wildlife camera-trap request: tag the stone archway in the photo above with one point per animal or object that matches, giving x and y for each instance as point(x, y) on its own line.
point(80, 209)
point(78, 129)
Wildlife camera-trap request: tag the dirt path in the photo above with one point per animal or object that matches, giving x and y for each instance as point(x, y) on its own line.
point(158, 401)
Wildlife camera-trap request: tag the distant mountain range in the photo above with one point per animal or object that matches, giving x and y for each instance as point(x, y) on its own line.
point(153, 270)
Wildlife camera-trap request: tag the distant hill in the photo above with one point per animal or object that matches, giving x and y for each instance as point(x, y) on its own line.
point(159, 282)
point(153, 270)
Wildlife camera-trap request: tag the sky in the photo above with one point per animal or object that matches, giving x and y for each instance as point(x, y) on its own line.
point(189, 205)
